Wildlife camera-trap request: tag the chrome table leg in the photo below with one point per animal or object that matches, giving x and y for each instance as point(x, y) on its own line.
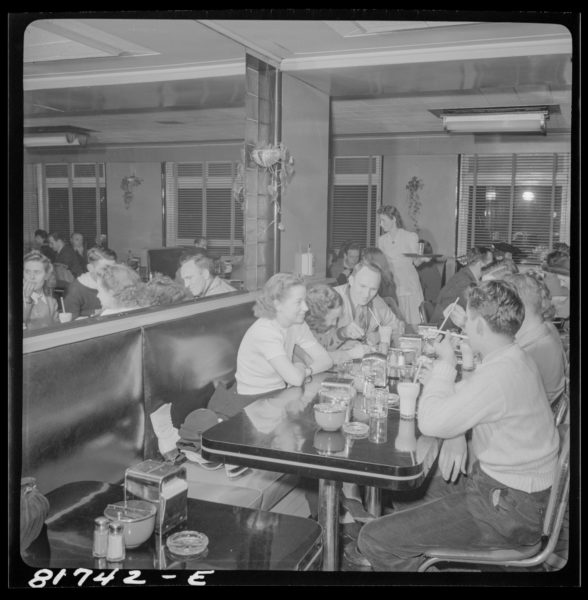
point(328, 518)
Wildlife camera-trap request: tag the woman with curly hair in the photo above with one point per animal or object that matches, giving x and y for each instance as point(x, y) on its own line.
point(325, 306)
point(265, 360)
point(39, 308)
point(395, 243)
point(120, 289)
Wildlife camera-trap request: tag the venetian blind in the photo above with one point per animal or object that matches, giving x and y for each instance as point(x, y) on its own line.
point(355, 197)
point(521, 199)
point(76, 199)
point(199, 202)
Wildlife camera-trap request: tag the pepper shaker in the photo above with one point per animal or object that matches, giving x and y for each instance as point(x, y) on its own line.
point(115, 551)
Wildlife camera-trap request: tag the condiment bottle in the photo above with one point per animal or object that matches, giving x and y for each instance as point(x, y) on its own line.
point(100, 537)
point(115, 551)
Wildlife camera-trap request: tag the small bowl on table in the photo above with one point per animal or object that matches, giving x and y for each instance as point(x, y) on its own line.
point(138, 518)
point(330, 417)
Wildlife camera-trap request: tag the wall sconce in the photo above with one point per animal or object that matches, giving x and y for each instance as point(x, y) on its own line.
point(128, 185)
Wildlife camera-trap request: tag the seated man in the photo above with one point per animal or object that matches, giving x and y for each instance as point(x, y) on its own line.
point(536, 338)
point(68, 262)
point(365, 314)
point(501, 503)
point(342, 267)
point(478, 257)
point(199, 275)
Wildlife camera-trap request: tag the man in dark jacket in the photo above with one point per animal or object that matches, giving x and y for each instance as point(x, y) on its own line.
point(66, 260)
point(478, 257)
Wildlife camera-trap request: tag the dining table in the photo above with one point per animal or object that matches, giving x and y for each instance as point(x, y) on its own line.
point(239, 539)
point(280, 433)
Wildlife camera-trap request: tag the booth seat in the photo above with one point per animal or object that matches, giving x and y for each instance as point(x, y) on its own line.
point(86, 405)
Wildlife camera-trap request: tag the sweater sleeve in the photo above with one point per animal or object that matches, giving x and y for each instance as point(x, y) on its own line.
point(447, 409)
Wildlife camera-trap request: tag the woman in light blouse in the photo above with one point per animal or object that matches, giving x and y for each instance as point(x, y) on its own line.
point(395, 243)
point(265, 360)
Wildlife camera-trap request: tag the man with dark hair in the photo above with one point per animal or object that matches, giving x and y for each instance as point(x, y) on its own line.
point(42, 244)
point(342, 267)
point(65, 255)
point(501, 502)
point(477, 258)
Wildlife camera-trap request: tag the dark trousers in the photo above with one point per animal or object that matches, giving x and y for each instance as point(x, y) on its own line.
point(477, 512)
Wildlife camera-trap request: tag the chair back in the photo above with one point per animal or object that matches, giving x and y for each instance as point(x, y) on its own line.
point(558, 497)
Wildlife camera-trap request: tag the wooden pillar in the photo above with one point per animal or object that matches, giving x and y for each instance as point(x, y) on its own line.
point(261, 127)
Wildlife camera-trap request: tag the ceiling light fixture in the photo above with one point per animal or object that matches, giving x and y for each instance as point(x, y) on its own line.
point(55, 138)
point(517, 121)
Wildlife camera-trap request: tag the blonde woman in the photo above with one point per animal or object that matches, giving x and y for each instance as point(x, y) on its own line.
point(39, 308)
point(265, 360)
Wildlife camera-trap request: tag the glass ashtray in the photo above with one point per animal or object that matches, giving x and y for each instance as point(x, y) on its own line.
point(356, 429)
point(187, 543)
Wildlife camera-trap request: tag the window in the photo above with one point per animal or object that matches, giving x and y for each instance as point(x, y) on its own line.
point(355, 197)
point(199, 202)
point(75, 199)
point(521, 199)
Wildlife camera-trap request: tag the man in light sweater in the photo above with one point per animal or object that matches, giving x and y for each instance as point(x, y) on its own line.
point(502, 500)
point(366, 318)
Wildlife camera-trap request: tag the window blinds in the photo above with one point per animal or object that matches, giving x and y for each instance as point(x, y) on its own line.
point(199, 202)
point(521, 199)
point(76, 199)
point(355, 197)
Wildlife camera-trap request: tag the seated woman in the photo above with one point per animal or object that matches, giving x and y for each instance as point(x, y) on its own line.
point(265, 360)
point(325, 306)
point(81, 298)
point(39, 308)
point(387, 289)
point(120, 289)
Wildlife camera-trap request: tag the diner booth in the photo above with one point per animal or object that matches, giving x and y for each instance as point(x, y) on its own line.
point(97, 393)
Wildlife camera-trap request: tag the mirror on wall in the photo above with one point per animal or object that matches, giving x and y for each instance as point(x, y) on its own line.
point(133, 130)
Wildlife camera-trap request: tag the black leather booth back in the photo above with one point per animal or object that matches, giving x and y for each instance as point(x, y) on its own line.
point(83, 415)
point(182, 359)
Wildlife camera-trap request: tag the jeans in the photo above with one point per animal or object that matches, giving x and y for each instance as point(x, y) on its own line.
point(475, 513)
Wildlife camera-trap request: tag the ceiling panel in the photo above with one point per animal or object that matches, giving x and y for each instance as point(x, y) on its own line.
point(192, 87)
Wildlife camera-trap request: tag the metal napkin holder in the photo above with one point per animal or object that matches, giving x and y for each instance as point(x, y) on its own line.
point(163, 484)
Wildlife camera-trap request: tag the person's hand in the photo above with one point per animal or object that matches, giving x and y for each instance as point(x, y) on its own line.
point(444, 349)
point(358, 351)
point(27, 289)
point(453, 458)
point(421, 260)
point(457, 315)
point(353, 331)
point(373, 338)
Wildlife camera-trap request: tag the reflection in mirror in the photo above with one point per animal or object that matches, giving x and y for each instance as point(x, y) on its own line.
point(162, 137)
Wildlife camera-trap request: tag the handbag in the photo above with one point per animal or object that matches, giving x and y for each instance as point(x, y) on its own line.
point(34, 508)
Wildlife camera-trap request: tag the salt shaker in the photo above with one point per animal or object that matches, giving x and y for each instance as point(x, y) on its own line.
point(100, 537)
point(115, 551)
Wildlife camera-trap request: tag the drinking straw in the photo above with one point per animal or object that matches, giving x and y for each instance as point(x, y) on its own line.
point(417, 371)
point(62, 304)
point(449, 313)
point(376, 318)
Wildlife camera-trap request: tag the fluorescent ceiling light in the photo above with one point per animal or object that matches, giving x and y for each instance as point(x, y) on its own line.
point(42, 140)
point(515, 122)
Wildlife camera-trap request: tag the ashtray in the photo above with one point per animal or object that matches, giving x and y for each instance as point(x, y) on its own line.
point(356, 429)
point(187, 543)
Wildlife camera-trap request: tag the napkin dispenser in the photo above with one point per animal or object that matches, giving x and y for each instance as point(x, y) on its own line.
point(164, 484)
